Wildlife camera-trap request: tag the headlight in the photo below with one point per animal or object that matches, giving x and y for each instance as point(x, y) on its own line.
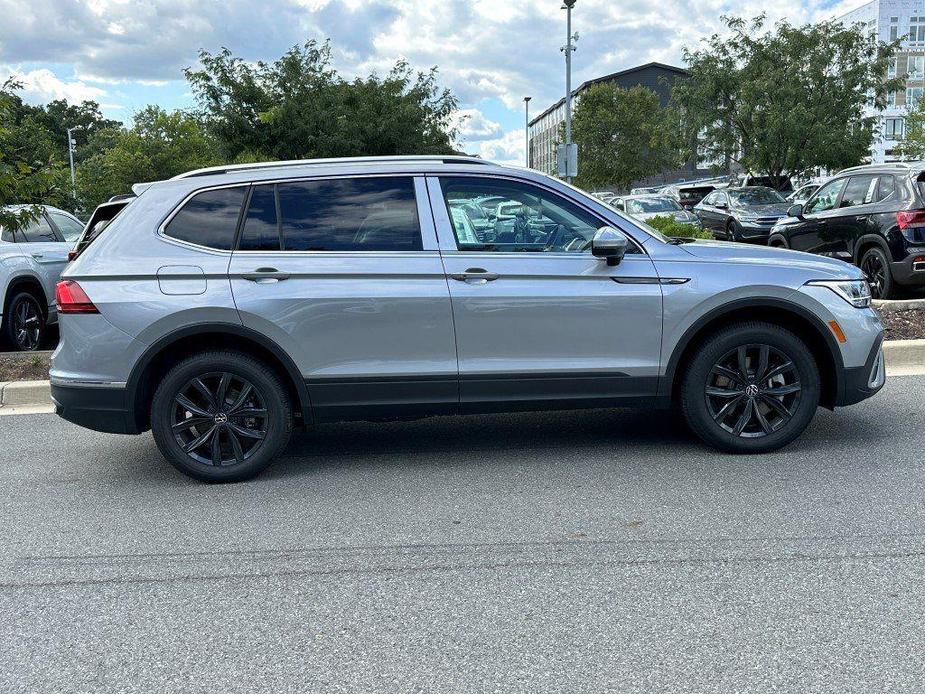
point(855, 292)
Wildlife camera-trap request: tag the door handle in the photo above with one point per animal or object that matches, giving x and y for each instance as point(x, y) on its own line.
point(37, 256)
point(476, 275)
point(266, 275)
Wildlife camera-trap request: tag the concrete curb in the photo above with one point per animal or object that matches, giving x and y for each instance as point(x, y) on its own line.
point(893, 306)
point(17, 393)
point(903, 358)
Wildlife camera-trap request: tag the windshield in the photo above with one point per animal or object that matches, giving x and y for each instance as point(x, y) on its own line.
point(648, 205)
point(755, 196)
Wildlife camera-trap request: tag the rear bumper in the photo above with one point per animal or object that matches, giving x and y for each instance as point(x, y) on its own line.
point(96, 407)
point(908, 273)
point(864, 381)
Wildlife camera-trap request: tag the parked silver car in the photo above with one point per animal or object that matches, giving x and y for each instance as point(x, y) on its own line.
point(223, 307)
point(31, 261)
point(646, 207)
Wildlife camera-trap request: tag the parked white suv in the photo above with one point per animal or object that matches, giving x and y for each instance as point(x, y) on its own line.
point(31, 260)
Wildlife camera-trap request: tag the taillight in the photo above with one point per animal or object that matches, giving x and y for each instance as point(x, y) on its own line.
point(71, 298)
point(910, 219)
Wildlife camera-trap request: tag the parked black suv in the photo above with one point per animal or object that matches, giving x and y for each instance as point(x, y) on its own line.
point(872, 216)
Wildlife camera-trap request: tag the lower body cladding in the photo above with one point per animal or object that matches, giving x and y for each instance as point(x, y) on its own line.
point(111, 409)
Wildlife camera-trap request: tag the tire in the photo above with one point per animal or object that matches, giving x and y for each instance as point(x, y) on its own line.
point(876, 266)
point(247, 443)
point(24, 322)
point(731, 233)
point(777, 242)
point(795, 389)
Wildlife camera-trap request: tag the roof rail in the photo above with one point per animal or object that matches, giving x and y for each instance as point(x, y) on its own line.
point(410, 159)
point(917, 164)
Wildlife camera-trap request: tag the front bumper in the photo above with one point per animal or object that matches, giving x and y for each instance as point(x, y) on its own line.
point(862, 382)
point(96, 407)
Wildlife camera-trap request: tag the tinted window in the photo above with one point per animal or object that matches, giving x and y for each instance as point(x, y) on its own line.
point(351, 214)
point(755, 196)
point(209, 218)
point(826, 197)
point(37, 232)
point(859, 191)
point(525, 218)
point(885, 188)
point(7, 235)
point(70, 228)
point(261, 232)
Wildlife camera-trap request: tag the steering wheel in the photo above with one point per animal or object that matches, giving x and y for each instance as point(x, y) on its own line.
point(552, 239)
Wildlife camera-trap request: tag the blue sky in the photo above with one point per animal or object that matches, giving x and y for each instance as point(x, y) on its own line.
point(491, 53)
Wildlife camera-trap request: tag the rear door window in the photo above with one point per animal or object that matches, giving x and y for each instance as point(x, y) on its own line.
point(350, 214)
point(885, 188)
point(39, 231)
point(859, 191)
point(209, 218)
point(261, 226)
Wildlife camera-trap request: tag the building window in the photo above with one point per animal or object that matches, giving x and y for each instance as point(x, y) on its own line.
point(891, 99)
point(913, 96)
point(894, 33)
point(893, 128)
point(916, 68)
point(891, 70)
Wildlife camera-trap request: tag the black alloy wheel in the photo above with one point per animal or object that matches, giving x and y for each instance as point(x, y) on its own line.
point(875, 267)
point(221, 416)
point(27, 323)
point(219, 419)
point(753, 391)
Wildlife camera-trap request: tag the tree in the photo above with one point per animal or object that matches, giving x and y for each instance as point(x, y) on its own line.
point(623, 135)
point(299, 107)
point(159, 145)
point(27, 175)
point(913, 143)
point(785, 101)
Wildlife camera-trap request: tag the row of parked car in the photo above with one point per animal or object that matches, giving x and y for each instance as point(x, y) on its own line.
point(872, 216)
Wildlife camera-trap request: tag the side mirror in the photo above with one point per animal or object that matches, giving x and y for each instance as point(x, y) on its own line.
point(795, 211)
point(720, 205)
point(609, 244)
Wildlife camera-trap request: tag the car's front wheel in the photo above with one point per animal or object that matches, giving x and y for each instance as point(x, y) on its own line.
point(221, 416)
point(750, 388)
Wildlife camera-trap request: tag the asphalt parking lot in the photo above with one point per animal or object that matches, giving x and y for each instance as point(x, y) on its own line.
point(577, 551)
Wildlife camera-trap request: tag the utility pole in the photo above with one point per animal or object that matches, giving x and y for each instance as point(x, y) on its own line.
point(569, 159)
point(70, 152)
point(527, 130)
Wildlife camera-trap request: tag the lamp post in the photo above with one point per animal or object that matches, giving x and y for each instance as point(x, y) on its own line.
point(527, 130)
point(71, 142)
point(568, 48)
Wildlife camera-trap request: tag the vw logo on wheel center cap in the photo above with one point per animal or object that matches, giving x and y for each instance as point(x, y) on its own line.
point(751, 390)
point(220, 418)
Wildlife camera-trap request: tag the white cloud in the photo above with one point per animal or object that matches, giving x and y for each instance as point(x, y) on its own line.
point(474, 126)
point(507, 149)
point(42, 85)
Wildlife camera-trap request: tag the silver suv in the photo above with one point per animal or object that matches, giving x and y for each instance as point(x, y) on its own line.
point(224, 307)
point(31, 260)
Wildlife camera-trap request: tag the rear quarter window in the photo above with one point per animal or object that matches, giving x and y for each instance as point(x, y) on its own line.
point(209, 218)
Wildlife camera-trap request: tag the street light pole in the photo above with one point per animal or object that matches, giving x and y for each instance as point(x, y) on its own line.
point(568, 48)
point(70, 154)
point(527, 130)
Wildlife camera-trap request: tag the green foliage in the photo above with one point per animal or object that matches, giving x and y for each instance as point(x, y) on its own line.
point(784, 101)
point(913, 143)
point(29, 174)
point(299, 107)
point(623, 135)
point(159, 145)
point(671, 227)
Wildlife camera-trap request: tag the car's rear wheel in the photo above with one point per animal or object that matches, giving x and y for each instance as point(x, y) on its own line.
point(24, 322)
point(221, 416)
point(876, 266)
point(750, 388)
